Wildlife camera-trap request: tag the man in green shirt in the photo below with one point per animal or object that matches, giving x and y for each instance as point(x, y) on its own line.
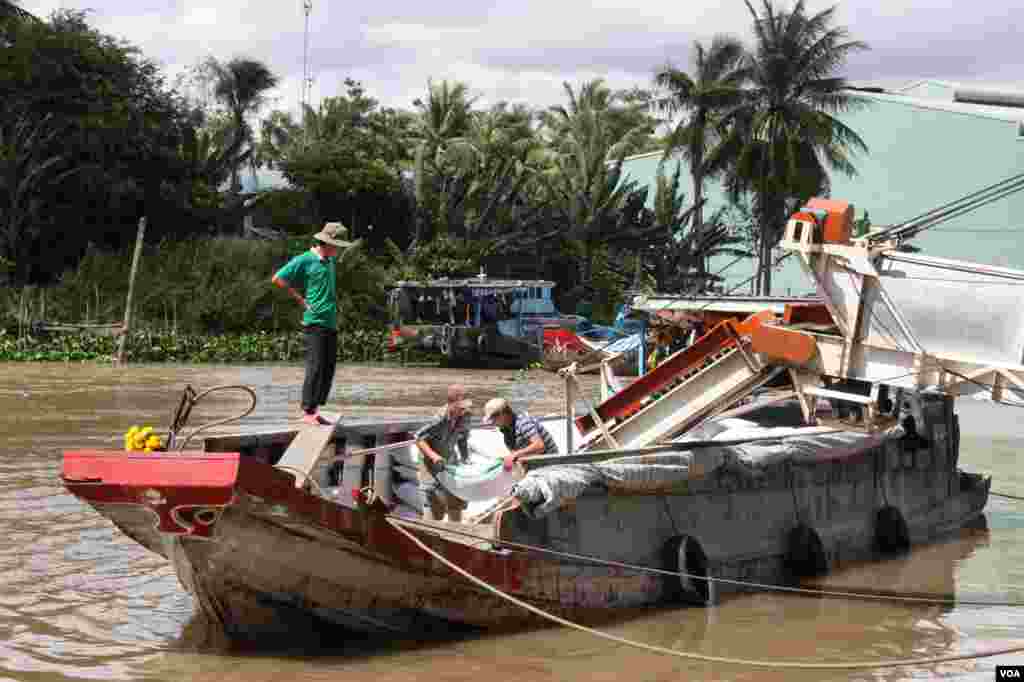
point(310, 279)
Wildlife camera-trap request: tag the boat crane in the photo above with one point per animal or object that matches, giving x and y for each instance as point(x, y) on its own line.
point(886, 321)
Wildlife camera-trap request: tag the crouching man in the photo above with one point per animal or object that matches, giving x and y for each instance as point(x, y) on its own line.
point(524, 435)
point(443, 442)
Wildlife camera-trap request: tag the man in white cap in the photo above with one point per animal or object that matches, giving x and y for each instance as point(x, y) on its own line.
point(444, 442)
point(310, 279)
point(524, 435)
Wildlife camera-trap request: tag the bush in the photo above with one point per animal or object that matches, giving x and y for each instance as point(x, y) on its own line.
point(198, 286)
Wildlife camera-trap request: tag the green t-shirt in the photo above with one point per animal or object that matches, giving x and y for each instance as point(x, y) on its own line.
point(316, 279)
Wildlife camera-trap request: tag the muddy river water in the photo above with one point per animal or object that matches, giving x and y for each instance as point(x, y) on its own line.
point(80, 601)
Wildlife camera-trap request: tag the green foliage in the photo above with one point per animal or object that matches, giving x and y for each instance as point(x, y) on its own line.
point(786, 136)
point(91, 138)
point(288, 210)
point(589, 140)
point(862, 225)
point(347, 155)
point(701, 101)
point(442, 256)
point(609, 287)
point(203, 285)
point(354, 345)
point(241, 85)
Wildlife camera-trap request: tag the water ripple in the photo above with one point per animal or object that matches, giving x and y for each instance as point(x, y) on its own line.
point(79, 600)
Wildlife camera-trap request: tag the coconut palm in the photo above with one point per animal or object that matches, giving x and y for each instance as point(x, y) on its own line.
point(674, 257)
point(701, 98)
point(786, 134)
point(485, 172)
point(444, 116)
point(33, 164)
point(241, 86)
point(11, 10)
point(588, 146)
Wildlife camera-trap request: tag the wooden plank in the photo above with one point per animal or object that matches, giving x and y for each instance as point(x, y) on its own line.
point(304, 451)
point(838, 395)
point(629, 399)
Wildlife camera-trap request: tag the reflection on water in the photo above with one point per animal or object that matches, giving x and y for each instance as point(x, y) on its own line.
point(80, 601)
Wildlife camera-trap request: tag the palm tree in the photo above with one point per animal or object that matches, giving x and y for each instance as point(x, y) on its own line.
point(714, 88)
point(443, 117)
point(486, 170)
point(33, 164)
point(675, 258)
point(9, 9)
point(241, 85)
point(588, 146)
point(786, 134)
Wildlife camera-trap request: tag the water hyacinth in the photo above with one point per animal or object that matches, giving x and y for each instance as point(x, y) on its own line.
point(354, 345)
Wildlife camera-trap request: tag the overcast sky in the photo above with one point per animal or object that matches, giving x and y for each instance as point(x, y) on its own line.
point(523, 50)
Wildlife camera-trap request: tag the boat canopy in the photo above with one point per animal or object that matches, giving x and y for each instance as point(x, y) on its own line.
point(534, 288)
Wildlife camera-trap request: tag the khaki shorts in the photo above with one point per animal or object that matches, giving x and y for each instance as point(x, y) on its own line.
point(440, 502)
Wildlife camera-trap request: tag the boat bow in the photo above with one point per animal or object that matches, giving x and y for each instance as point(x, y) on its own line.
point(186, 492)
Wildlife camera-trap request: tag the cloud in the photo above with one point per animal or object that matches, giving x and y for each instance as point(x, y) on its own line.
point(522, 51)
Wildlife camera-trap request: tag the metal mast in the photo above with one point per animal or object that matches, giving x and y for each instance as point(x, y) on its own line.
point(307, 7)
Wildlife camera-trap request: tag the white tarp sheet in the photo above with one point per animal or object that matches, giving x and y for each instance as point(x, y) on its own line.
point(483, 477)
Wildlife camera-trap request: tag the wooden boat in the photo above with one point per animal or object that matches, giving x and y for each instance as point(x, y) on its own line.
point(688, 477)
point(475, 322)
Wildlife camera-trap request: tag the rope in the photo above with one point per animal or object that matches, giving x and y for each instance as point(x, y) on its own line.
point(191, 399)
point(728, 581)
point(692, 655)
point(1009, 497)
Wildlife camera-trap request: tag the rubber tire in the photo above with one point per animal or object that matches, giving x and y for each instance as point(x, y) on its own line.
point(805, 554)
point(891, 533)
point(684, 553)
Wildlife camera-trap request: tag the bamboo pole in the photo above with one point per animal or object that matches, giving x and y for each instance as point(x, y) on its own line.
point(136, 257)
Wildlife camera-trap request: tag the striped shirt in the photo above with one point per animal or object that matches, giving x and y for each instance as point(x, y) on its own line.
point(523, 428)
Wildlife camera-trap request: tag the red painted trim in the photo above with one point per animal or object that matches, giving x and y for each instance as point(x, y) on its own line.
point(188, 481)
point(172, 486)
point(372, 531)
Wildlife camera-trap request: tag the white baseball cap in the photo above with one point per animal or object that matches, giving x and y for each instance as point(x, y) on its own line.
point(493, 407)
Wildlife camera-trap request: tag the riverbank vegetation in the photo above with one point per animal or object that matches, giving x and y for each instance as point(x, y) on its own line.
point(93, 137)
point(354, 345)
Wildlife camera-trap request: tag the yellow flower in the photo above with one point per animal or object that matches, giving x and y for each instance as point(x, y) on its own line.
point(147, 449)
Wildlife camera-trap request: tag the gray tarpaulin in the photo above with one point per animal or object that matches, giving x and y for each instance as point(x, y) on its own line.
point(545, 490)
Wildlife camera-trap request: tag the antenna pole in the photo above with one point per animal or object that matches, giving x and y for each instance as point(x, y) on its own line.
point(307, 7)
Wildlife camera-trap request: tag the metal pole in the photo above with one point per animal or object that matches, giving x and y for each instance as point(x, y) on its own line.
point(136, 257)
point(307, 6)
point(570, 412)
point(642, 360)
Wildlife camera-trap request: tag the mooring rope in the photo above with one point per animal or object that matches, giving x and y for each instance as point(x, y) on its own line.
point(692, 655)
point(729, 581)
point(1009, 497)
